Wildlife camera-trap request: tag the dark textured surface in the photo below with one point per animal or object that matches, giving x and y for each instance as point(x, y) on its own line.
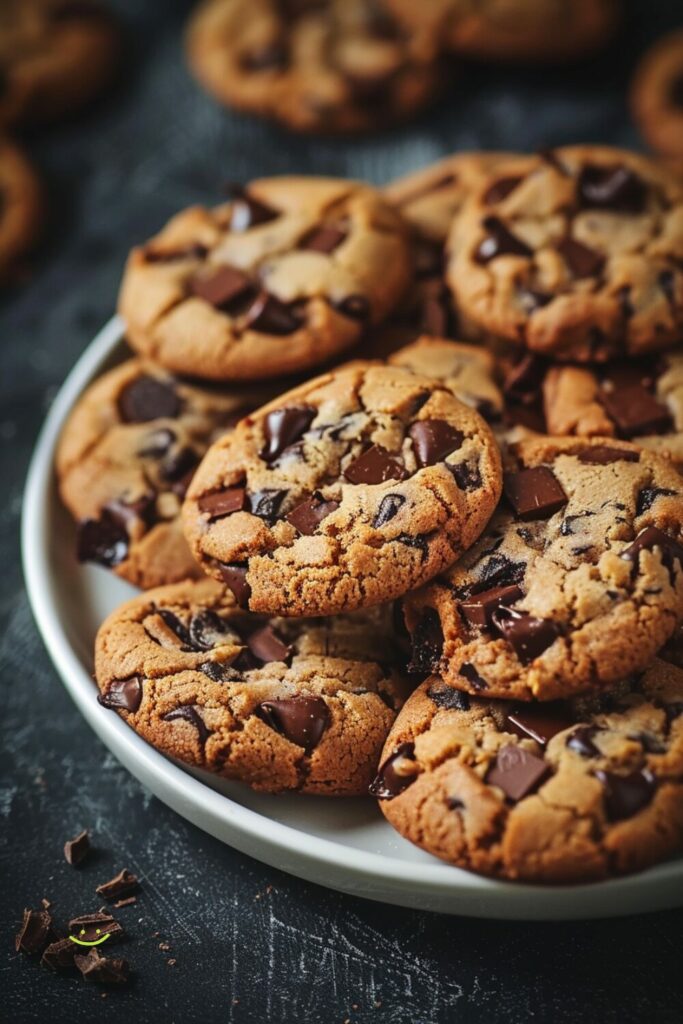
point(250, 943)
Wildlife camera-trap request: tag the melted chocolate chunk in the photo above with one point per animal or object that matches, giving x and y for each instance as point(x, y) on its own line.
point(389, 506)
point(266, 504)
point(647, 497)
point(234, 575)
point(324, 239)
point(466, 476)
point(499, 241)
point(582, 261)
point(604, 455)
point(123, 694)
point(269, 315)
point(534, 493)
point(651, 538)
point(147, 398)
point(396, 774)
point(528, 636)
point(301, 720)
point(375, 466)
point(283, 427)
point(188, 713)
point(309, 514)
point(611, 188)
point(517, 772)
point(173, 623)
point(434, 440)
point(469, 672)
point(427, 643)
point(499, 571)
point(419, 541)
point(356, 307)
point(581, 741)
point(208, 630)
point(104, 541)
point(247, 212)
point(501, 189)
point(448, 698)
point(178, 466)
point(77, 849)
point(220, 671)
point(222, 503)
point(224, 288)
point(626, 795)
point(479, 608)
point(635, 411)
point(540, 722)
point(267, 645)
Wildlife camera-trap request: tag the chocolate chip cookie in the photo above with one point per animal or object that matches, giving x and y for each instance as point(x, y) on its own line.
point(657, 95)
point(284, 276)
point(638, 400)
point(126, 456)
point(574, 253)
point(576, 583)
point(322, 66)
point(345, 492)
point(566, 792)
point(280, 704)
point(506, 30)
point(20, 208)
point(54, 56)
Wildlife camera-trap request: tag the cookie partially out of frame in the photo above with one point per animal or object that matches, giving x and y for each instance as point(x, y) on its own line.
point(657, 95)
point(20, 208)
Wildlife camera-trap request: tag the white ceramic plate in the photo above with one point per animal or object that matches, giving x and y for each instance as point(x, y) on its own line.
point(344, 844)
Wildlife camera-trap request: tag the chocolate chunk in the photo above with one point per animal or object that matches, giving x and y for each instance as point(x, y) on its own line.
point(528, 636)
point(172, 622)
point(611, 188)
point(266, 504)
point(466, 476)
point(420, 541)
point(534, 493)
point(427, 642)
point(104, 541)
point(582, 261)
point(283, 427)
point(478, 608)
point(375, 466)
point(499, 571)
point(625, 795)
point(34, 933)
point(517, 772)
point(234, 575)
point(651, 538)
point(220, 671)
point(604, 455)
point(499, 241)
point(120, 885)
point(501, 189)
point(208, 630)
point(647, 497)
point(635, 411)
point(59, 955)
point(396, 774)
point(271, 57)
point(147, 398)
point(433, 440)
point(389, 506)
point(269, 315)
point(125, 694)
point(448, 698)
point(222, 503)
point(102, 969)
point(188, 713)
point(539, 721)
point(178, 465)
point(90, 927)
point(222, 287)
point(323, 239)
point(309, 514)
point(581, 741)
point(523, 380)
point(469, 672)
point(266, 645)
point(356, 307)
point(77, 849)
point(302, 720)
point(247, 212)
point(531, 417)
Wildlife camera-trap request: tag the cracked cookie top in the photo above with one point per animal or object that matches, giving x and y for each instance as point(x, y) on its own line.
point(575, 253)
point(281, 704)
point(576, 583)
point(282, 277)
point(125, 459)
point(564, 792)
point(345, 492)
point(323, 66)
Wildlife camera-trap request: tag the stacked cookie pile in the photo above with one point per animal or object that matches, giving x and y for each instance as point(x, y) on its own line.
point(447, 571)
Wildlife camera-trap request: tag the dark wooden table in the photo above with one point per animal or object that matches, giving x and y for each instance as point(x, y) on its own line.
point(250, 943)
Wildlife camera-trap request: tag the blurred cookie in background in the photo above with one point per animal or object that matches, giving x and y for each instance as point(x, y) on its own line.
point(657, 95)
point(314, 65)
point(20, 210)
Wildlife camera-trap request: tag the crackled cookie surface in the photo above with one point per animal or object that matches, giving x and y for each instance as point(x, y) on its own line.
point(20, 207)
point(575, 253)
point(345, 492)
point(280, 704)
point(282, 277)
point(562, 792)
point(328, 66)
point(638, 400)
point(577, 582)
point(657, 95)
point(124, 462)
point(55, 55)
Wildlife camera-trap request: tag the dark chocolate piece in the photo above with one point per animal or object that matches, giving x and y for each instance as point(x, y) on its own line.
point(534, 493)
point(517, 772)
point(147, 398)
point(528, 636)
point(283, 427)
point(123, 694)
point(434, 440)
point(375, 466)
point(77, 849)
point(302, 720)
point(309, 514)
point(396, 774)
point(626, 795)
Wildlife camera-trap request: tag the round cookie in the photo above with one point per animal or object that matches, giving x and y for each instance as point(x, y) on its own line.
point(575, 254)
point(20, 208)
point(576, 583)
point(567, 792)
point(328, 66)
point(345, 492)
point(506, 30)
point(283, 277)
point(640, 401)
point(657, 95)
point(55, 55)
point(289, 704)
point(124, 462)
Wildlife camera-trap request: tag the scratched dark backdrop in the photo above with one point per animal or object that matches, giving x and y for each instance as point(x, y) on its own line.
point(252, 944)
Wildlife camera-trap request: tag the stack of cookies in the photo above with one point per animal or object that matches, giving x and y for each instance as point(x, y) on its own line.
point(449, 572)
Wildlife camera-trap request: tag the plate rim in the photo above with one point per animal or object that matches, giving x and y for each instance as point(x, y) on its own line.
point(437, 887)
